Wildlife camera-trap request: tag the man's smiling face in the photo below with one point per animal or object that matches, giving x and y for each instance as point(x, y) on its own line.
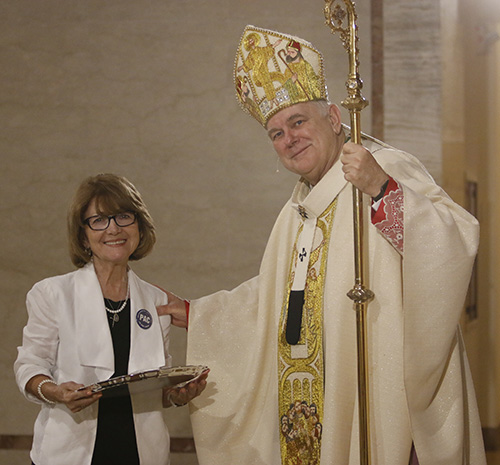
point(307, 138)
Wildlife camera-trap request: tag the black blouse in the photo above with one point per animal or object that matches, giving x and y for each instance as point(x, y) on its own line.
point(116, 442)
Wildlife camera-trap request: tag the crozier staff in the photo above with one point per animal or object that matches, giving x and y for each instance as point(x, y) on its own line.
point(285, 378)
point(95, 323)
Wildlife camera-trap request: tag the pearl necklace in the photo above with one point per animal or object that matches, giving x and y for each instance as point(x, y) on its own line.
point(114, 312)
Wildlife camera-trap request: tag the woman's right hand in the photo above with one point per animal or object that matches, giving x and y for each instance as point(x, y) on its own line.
point(70, 395)
point(65, 393)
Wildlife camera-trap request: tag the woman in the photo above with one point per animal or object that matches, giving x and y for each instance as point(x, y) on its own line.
point(98, 322)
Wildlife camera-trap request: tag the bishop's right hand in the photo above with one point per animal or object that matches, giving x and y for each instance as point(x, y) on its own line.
point(176, 308)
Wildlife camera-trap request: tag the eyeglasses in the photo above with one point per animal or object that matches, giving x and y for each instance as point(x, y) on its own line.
point(100, 223)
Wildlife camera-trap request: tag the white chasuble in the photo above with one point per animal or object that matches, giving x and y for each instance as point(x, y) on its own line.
point(421, 389)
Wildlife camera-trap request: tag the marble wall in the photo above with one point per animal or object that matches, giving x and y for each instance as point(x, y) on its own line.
point(412, 79)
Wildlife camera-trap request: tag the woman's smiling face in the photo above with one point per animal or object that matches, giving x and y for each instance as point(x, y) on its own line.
point(113, 245)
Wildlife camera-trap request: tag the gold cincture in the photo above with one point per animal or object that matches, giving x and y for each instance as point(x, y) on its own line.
point(336, 16)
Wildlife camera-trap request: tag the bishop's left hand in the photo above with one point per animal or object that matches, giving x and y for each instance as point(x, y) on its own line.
point(362, 170)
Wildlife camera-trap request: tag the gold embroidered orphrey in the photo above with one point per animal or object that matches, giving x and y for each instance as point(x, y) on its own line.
point(301, 367)
point(273, 71)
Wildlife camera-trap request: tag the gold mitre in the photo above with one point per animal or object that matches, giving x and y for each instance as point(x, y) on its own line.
point(273, 71)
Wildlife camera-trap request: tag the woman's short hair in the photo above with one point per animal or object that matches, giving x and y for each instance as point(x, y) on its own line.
point(113, 194)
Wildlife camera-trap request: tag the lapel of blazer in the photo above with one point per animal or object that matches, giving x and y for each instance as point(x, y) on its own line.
point(93, 339)
point(146, 337)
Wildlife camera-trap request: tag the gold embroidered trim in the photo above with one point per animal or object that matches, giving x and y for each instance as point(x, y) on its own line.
point(301, 369)
point(273, 71)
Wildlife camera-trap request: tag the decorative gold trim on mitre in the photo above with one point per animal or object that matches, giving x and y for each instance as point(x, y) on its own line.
point(273, 71)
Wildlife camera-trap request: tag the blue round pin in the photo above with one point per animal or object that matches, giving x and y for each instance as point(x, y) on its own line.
point(144, 319)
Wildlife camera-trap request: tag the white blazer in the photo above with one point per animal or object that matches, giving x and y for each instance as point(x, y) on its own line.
point(67, 337)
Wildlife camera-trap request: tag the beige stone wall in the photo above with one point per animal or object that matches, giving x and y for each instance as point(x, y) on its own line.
point(494, 176)
point(143, 89)
point(475, 144)
point(412, 79)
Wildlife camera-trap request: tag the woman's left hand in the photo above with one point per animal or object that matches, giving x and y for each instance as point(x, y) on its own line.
point(181, 396)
